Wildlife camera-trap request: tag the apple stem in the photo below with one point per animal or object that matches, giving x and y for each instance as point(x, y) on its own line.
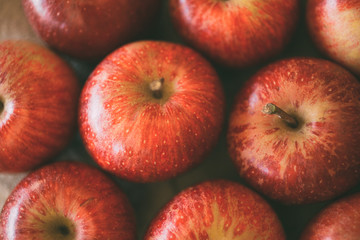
point(271, 108)
point(156, 88)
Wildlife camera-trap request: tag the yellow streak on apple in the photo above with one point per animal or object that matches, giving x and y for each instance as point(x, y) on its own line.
point(230, 7)
point(303, 136)
point(346, 46)
point(216, 231)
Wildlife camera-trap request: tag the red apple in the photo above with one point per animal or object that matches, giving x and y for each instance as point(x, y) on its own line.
point(216, 210)
point(89, 29)
point(38, 105)
point(67, 200)
point(236, 33)
point(339, 221)
point(310, 152)
point(335, 27)
point(151, 110)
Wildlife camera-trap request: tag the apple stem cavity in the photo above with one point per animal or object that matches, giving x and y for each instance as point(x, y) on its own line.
point(1, 106)
point(64, 230)
point(271, 108)
point(156, 88)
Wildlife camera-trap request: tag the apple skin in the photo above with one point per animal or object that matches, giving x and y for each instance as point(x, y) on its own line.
point(138, 137)
point(339, 221)
point(334, 25)
point(38, 105)
point(89, 29)
point(70, 195)
point(314, 162)
point(217, 209)
point(236, 33)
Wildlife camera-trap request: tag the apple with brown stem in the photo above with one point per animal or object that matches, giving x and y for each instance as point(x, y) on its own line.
point(89, 29)
point(217, 209)
point(67, 201)
point(151, 110)
point(310, 152)
point(38, 105)
point(236, 33)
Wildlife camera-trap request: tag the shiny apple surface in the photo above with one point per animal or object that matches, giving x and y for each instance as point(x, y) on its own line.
point(67, 201)
point(142, 137)
point(236, 33)
point(38, 105)
point(314, 161)
point(89, 29)
point(338, 221)
point(216, 210)
point(335, 28)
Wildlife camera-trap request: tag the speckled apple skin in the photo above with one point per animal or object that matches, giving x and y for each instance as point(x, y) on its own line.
point(76, 191)
point(339, 221)
point(217, 209)
point(335, 28)
point(40, 94)
point(89, 29)
point(236, 33)
point(317, 161)
point(137, 137)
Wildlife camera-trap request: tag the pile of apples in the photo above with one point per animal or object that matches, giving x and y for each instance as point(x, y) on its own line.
point(180, 119)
